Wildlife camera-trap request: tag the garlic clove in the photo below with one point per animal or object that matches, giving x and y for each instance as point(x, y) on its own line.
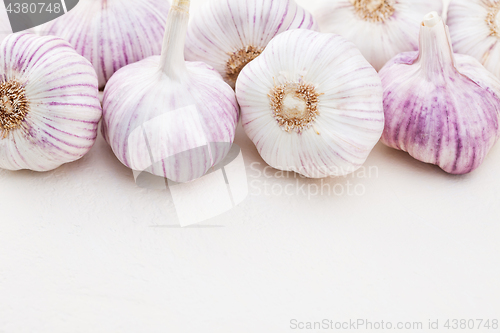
point(49, 105)
point(168, 117)
point(440, 107)
point(311, 104)
point(475, 31)
point(228, 34)
point(112, 33)
point(380, 28)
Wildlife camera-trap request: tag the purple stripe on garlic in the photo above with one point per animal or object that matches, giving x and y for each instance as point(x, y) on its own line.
point(169, 117)
point(311, 104)
point(112, 33)
point(49, 104)
point(228, 34)
point(440, 107)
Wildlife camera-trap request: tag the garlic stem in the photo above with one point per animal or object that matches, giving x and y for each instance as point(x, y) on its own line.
point(182, 4)
point(431, 19)
point(172, 61)
point(436, 54)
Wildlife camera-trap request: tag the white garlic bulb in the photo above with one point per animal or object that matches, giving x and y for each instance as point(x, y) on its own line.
point(311, 104)
point(228, 34)
point(112, 33)
point(441, 108)
point(475, 30)
point(380, 28)
point(49, 104)
point(168, 117)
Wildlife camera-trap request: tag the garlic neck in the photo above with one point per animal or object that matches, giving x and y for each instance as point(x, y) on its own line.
point(435, 52)
point(172, 61)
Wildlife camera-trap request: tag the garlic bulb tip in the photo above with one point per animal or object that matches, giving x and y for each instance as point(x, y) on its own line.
point(431, 19)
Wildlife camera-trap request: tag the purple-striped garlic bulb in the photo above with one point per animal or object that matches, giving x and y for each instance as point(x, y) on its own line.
point(380, 28)
point(475, 30)
point(311, 104)
point(228, 34)
point(49, 104)
point(440, 107)
point(112, 33)
point(169, 117)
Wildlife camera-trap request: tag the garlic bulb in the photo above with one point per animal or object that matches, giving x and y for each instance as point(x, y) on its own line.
point(311, 104)
point(49, 104)
point(168, 117)
point(475, 30)
point(380, 28)
point(228, 34)
point(112, 33)
point(441, 108)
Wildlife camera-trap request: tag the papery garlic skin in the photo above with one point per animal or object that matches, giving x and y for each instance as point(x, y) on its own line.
point(380, 28)
point(227, 34)
point(475, 30)
point(49, 104)
point(112, 33)
point(441, 108)
point(171, 118)
point(311, 104)
point(139, 93)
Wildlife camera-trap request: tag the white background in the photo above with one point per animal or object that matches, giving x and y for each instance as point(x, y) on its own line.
point(84, 249)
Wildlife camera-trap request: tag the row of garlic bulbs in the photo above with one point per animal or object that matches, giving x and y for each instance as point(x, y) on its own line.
point(310, 102)
point(112, 33)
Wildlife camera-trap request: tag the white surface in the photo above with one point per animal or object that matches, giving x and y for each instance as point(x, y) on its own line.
point(84, 249)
